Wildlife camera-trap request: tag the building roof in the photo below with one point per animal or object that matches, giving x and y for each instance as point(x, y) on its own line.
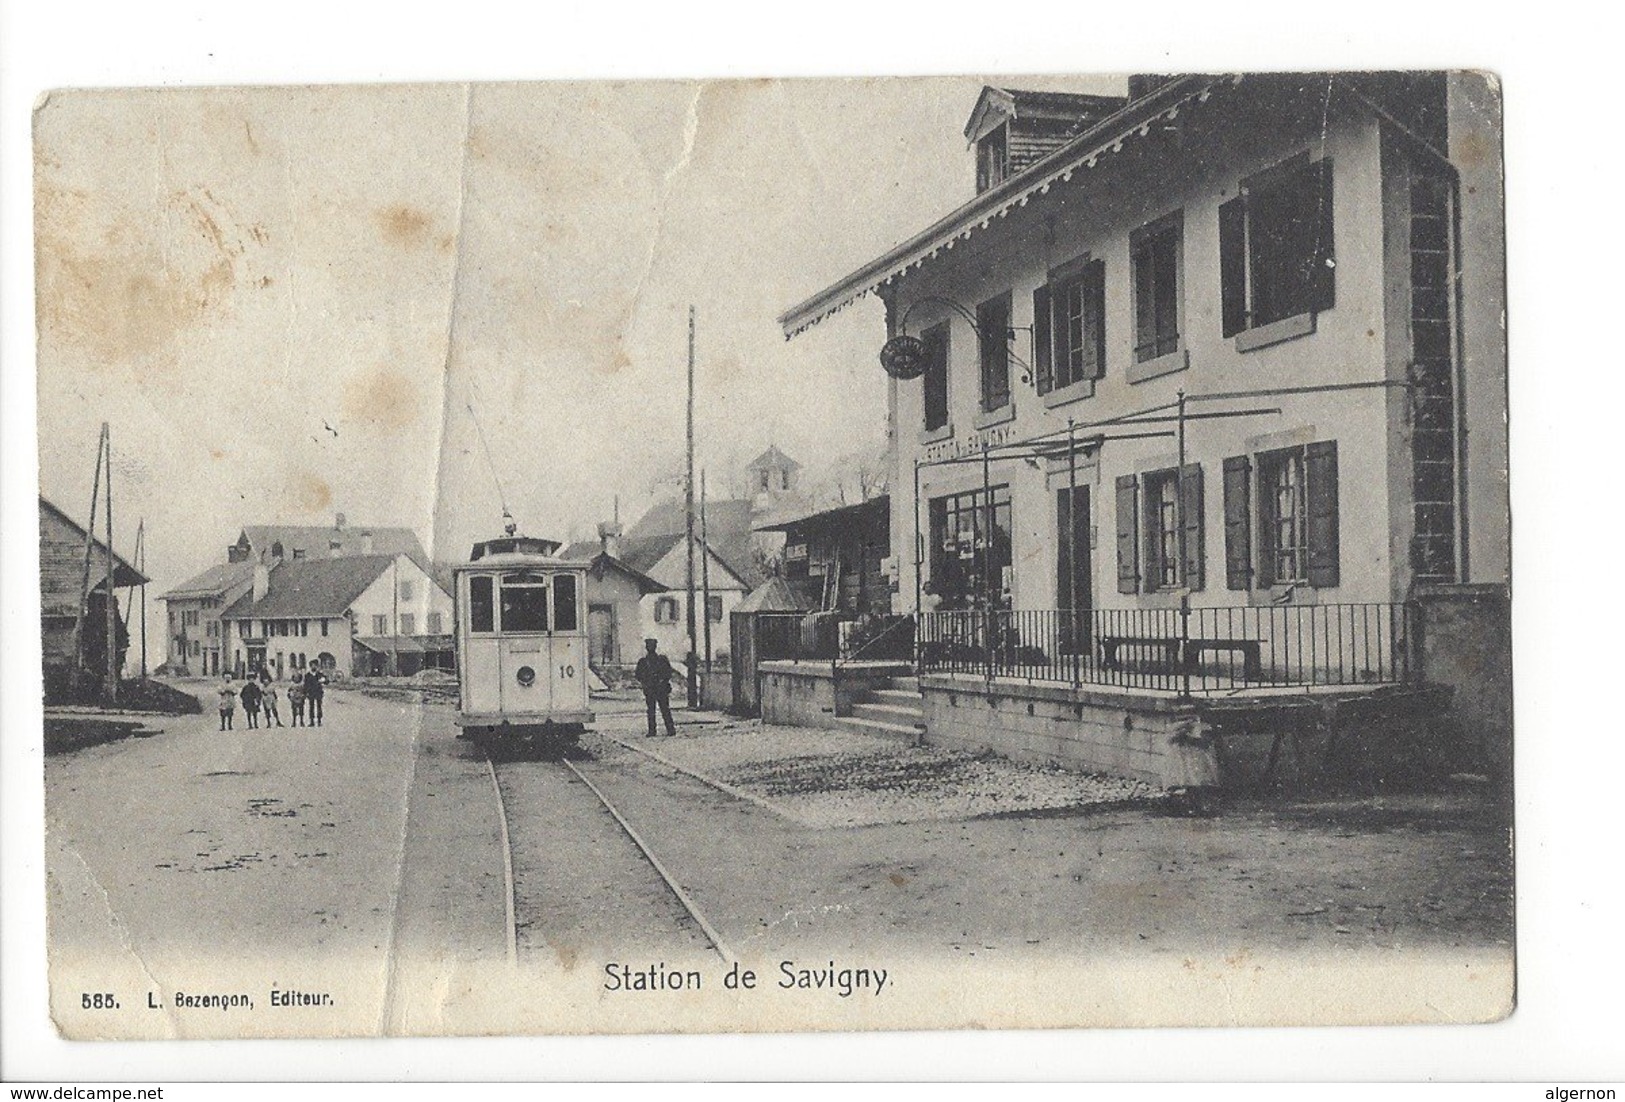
point(316, 540)
point(62, 563)
point(215, 580)
point(596, 559)
point(773, 458)
point(727, 532)
point(404, 644)
point(312, 587)
point(778, 595)
point(1102, 140)
point(841, 515)
point(1021, 103)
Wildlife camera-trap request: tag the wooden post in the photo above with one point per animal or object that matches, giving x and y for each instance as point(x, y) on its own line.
point(705, 572)
point(78, 672)
point(141, 567)
point(688, 490)
point(112, 603)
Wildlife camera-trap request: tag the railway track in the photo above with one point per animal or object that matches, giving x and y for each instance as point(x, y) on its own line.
point(580, 781)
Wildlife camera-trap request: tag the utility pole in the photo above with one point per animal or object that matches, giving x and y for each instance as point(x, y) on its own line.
point(705, 572)
point(112, 602)
point(141, 565)
point(84, 579)
point(688, 490)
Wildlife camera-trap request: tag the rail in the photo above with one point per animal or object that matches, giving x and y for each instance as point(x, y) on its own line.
point(1202, 650)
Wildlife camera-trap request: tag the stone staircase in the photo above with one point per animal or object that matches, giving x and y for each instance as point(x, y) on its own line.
point(894, 710)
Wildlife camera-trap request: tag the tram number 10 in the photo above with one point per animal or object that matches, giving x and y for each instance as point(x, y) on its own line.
point(567, 671)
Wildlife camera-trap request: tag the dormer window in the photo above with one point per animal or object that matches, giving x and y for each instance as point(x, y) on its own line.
point(993, 158)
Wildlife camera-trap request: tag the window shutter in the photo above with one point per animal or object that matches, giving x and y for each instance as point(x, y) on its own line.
point(1094, 307)
point(1323, 283)
point(1233, 265)
point(1238, 544)
point(1128, 537)
point(1043, 366)
point(1190, 489)
point(1320, 470)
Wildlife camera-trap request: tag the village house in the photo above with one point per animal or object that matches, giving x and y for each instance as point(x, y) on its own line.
point(615, 593)
point(351, 615)
point(63, 577)
point(1202, 395)
point(197, 645)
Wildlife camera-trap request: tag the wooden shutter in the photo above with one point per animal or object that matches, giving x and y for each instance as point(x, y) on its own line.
point(1323, 282)
point(1320, 470)
point(1043, 365)
point(1128, 537)
point(1238, 543)
point(1233, 265)
point(1094, 320)
point(1190, 490)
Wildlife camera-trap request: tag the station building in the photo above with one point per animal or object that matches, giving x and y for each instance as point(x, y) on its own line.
point(1205, 398)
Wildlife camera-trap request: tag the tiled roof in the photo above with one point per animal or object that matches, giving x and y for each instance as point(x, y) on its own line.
point(590, 553)
point(316, 540)
point(313, 587)
point(727, 530)
point(216, 579)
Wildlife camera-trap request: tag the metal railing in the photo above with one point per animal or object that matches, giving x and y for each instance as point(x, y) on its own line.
point(1207, 650)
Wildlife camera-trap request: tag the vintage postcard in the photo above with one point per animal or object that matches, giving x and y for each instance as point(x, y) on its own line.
point(730, 556)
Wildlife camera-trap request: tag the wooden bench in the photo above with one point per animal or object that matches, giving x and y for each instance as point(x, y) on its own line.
point(1185, 653)
point(1110, 643)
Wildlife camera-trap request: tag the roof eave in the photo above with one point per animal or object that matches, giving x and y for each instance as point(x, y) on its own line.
point(992, 203)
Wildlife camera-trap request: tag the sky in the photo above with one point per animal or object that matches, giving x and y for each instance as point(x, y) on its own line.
point(294, 302)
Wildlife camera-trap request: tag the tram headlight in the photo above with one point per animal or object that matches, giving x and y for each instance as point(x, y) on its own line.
point(526, 676)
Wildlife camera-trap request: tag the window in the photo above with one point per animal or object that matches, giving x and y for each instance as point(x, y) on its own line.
point(433, 625)
point(298, 553)
point(409, 624)
point(666, 610)
point(1297, 522)
point(1069, 326)
point(276, 550)
point(935, 380)
point(481, 604)
point(713, 609)
point(969, 569)
point(406, 591)
point(992, 159)
point(993, 338)
point(564, 603)
point(304, 627)
point(1151, 555)
point(524, 603)
point(334, 546)
point(1162, 530)
point(380, 625)
point(766, 481)
point(324, 627)
point(1155, 251)
point(1276, 258)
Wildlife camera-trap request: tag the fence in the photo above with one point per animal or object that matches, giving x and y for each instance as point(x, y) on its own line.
point(759, 637)
point(1205, 650)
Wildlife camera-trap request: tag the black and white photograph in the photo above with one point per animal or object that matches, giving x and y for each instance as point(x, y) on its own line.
point(734, 556)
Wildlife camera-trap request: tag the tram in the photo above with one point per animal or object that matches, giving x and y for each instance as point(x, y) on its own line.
point(521, 643)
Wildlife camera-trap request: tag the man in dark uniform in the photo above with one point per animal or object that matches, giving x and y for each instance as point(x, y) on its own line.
point(315, 683)
point(654, 674)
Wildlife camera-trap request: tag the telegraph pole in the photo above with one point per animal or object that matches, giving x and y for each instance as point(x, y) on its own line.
point(705, 573)
point(688, 491)
point(112, 601)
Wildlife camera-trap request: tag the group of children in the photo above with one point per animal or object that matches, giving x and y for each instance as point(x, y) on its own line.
point(259, 697)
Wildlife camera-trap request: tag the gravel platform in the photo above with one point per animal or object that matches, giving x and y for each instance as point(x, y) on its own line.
point(828, 778)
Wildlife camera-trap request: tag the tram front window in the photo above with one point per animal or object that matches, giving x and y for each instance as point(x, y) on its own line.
point(524, 604)
point(481, 606)
point(564, 603)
